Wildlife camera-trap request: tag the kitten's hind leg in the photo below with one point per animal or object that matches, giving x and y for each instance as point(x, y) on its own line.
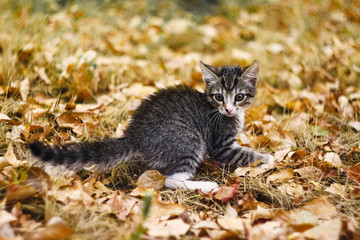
point(181, 180)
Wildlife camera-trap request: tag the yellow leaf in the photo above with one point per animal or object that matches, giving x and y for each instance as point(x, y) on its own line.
point(151, 179)
point(165, 210)
point(321, 207)
point(281, 176)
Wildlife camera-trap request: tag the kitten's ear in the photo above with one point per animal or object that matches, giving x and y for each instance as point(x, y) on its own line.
point(251, 74)
point(209, 73)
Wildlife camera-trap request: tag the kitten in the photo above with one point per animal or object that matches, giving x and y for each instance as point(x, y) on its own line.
point(174, 129)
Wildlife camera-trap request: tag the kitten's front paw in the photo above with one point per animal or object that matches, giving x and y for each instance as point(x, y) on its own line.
point(207, 187)
point(268, 161)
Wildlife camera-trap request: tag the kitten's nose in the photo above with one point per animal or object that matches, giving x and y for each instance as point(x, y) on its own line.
point(228, 111)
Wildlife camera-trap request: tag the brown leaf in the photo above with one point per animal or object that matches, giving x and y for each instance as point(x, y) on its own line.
point(248, 202)
point(268, 231)
point(10, 158)
point(67, 120)
point(281, 176)
point(355, 192)
point(56, 231)
point(309, 172)
point(165, 210)
point(227, 193)
point(353, 173)
point(329, 230)
point(332, 159)
point(151, 179)
point(336, 188)
point(166, 229)
point(302, 220)
point(15, 192)
point(321, 207)
point(83, 95)
point(38, 179)
point(236, 225)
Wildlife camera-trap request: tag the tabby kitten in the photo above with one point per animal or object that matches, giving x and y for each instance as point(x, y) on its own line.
point(174, 129)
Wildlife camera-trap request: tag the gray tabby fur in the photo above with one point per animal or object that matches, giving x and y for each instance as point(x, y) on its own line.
point(173, 130)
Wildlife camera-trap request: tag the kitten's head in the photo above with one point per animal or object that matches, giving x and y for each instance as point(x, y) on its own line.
point(231, 89)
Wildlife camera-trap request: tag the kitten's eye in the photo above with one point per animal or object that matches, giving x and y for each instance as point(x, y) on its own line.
point(239, 97)
point(219, 97)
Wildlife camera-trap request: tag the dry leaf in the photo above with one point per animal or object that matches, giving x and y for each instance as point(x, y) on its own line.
point(309, 172)
point(355, 125)
point(236, 225)
point(281, 176)
point(353, 173)
point(67, 120)
point(268, 231)
point(303, 220)
point(10, 159)
point(329, 230)
point(141, 191)
point(227, 193)
point(166, 229)
point(354, 192)
point(206, 225)
point(333, 160)
point(15, 192)
point(321, 207)
point(338, 189)
point(165, 210)
point(55, 231)
point(151, 179)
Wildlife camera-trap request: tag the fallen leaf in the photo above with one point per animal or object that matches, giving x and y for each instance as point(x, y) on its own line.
point(332, 159)
point(164, 210)
point(354, 192)
point(248, 202)
point(321, 207)
point(16, 192)
point(227, 193)
point(236, 225)
point(56, 230)
point(141, 191)
point(206, 225)
point(10, 158)
point(166, 229)
point(268, 231)
point(353, 173)
point(329, 230)
point(338, 189)
point(67, 120)
point(293, 189)
point(309, 172)
point(281, 176)
point(355, 125)
point(151, 179)
point(303, 220)
point(261, 213)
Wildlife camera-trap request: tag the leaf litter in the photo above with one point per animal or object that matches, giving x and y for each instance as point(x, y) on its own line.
point(78, 72)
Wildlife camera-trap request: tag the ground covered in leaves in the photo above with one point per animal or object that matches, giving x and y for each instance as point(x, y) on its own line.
point(77, 72)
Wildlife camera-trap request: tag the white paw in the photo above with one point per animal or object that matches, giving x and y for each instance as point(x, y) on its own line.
point(269, 161)
point(203, 186)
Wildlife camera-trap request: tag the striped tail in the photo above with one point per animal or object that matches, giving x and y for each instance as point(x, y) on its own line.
point(106, 153)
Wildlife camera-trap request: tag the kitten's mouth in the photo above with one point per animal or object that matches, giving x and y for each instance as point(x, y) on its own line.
point(227, 113)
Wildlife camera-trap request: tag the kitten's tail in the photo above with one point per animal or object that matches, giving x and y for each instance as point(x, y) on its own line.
point(105, 154)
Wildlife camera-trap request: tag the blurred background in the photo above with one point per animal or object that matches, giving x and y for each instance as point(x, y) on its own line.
point(115, 53)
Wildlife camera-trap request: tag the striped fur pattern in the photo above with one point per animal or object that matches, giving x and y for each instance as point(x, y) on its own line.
point(173, 130)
